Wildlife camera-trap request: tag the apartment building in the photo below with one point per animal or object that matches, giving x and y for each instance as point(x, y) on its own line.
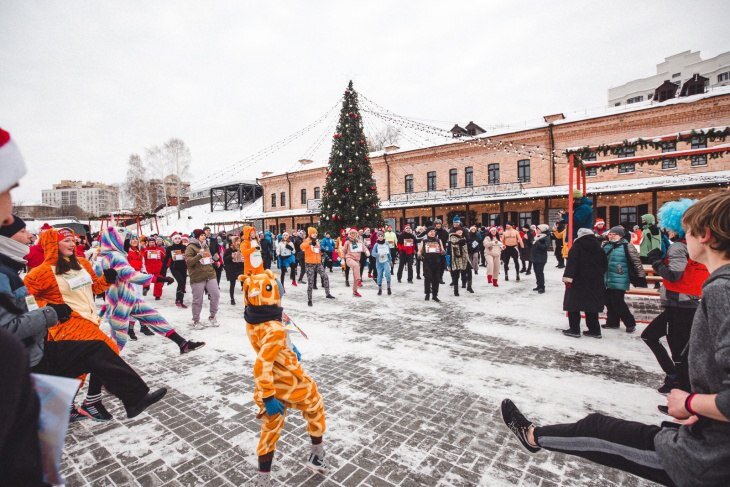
point(94, 198)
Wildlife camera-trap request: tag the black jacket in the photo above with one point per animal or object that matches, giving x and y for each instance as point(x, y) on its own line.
point(472, 239)
point(233, 269)
point(586, 265)
point(170, 263)
point(539, 251)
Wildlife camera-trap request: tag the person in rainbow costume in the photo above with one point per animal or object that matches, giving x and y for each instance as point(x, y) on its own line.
point(281, 382)
point(123, 299)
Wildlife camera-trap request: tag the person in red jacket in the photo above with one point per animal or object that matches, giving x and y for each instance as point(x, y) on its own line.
point(153, 256)
point(134, 250)
point(36, 256)
point(81, 247)
point(407, 249)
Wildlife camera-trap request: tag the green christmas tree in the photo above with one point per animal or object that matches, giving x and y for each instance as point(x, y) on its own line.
point(350, 195)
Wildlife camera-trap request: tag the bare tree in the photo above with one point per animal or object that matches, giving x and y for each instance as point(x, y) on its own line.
point(388, 135)
point(178, 158)
point(156, 161)
point(136, 185)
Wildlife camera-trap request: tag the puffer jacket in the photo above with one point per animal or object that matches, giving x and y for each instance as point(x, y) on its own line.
point(539, 249)
point(198, 271)
point(623, 262)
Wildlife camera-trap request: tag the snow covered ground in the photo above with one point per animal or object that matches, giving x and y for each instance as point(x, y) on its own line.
point(411, 390)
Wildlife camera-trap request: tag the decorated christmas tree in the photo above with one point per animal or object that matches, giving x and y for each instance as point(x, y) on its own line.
point(350, 196)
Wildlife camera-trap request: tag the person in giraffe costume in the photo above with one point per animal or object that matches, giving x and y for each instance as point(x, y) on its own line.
point(280, 381)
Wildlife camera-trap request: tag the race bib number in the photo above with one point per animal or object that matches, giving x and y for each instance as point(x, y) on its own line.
point(78, 281)
point(315, 250)
point(474, 245)
point(256, 259)
point(355, 247)
point(207, 259)
point(178, 255)
point(31, 303)
point(408, 242)
point(433, 248)
point(153, 255)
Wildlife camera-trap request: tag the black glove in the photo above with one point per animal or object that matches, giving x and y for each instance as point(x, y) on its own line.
point(166, 279)
point(110, 275)
point(654, 256)
point(62, 311)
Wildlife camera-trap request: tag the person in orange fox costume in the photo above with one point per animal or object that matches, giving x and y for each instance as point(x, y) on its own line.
point(281, 382)
point(253, 262)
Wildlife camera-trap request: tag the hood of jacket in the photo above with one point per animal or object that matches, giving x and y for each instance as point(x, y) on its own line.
point(648, 219)
point(310, 231)
point(721, 273)
point(111, 241)
point(49, 241)
point(246, 239)
point(586, 201)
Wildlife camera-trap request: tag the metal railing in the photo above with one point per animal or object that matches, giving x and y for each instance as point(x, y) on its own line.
point(452, 193)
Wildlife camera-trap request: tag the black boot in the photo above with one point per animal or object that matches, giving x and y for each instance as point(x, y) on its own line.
point(428, 297)
point(145, 330)
point(132, 335)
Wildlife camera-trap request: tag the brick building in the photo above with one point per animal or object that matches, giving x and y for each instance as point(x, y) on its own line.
point(521, 176)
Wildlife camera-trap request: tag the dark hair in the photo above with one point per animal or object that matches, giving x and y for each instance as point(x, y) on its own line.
point(65, 264)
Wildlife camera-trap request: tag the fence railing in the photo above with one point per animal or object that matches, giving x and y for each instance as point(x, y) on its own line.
point(452, 193)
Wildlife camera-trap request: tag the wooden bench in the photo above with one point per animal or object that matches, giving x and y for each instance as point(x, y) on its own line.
point(642, 291)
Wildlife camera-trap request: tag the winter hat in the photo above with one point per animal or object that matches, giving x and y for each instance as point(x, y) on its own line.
point(671, 213)
point(544, 228)
point(582, 232)
point(13, 228)
point(456, 220)
point(197, 233)
point(430, 229)
point(437, 221)
point(64, 233)
point(407, 228)
point(12, 166)
point(380, 234)
point(600, 221)
point(618, 230)
point(45, 227)
point(577, 194)
point(310, 231)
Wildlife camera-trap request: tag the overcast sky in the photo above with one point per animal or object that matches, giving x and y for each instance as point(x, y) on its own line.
point(83, 84)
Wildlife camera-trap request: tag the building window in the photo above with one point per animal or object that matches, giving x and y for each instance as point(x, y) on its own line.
point(723, 77)
point(523, 171)
point(525, 218)
point(590, 171)
point(409, 183)
point(676, 75)
point(627, 216)
point(273, 200)
point(431, 181)
point(493, 219)
point(453, 174)
point(628, 167)
point(469, 177)
point(493, 173)
point(635, 99)
point(282, 199)
point(699, 142)
point(317, 193)
point(669, 146)
point(617, 104)
point(304, 196)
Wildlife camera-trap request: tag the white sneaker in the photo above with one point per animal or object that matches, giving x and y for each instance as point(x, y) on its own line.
point(317, 463)
point(197, 325)
point(213, 322)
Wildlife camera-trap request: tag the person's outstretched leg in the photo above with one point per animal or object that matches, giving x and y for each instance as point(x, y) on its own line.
point(150, 317)
point(325, 279)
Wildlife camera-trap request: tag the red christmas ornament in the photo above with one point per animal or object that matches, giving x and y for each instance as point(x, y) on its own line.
point(337, 136)
point(347, 190)
point(329, 173)
point(350, 170)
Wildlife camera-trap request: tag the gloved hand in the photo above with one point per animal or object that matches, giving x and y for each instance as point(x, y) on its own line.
point(654, 256)
point(63, 311)
point(110, 276)
point(167, 279)
point(273, 406)
point(296, 352)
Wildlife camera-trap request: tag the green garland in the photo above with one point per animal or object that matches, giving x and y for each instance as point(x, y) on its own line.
point(616, 150)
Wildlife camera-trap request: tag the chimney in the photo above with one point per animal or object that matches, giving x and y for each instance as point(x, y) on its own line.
point(265, 174)
point(304, 162)
point(390, 148)
point(553, 118)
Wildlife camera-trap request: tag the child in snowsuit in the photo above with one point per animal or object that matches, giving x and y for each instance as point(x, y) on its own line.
point(281, 382)
point(431, 253)
point(384, 260)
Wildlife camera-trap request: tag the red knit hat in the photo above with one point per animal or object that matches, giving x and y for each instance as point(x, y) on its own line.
point(64, 233)
point(12, 166)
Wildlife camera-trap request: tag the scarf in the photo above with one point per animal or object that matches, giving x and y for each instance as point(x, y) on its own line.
point(13, 249)
point(262, 314)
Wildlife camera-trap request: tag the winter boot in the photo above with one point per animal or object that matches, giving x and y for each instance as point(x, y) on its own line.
point(380, 290)
point(591, 334)
point(428, 297)
point(489, 279)
point(670, 382)
point(518, 424)
point(494, 282)
point(132, 335)
point(294, 282)
point(469, 289)
point(147, 401)
point(389, 293)
point(309, 302)
point(571, 333)
point(518, 277)
point(506, 276)
point(329, 296)
point(189, 346)
point(183, 305)
point(146, 331)
point(145, 290)
point(356, 294)
point(456, 290)
point(233, 301)
point(436, 298)
point(347, 283)
point(157, 298)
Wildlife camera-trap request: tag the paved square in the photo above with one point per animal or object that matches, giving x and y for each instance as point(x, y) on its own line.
point(411, 391)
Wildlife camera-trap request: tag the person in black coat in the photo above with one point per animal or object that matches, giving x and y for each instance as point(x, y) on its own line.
point(233, 265)
point(443, 235)
point(584, 284)
point(175, 261)
point(526, 249)
point(267, 249)
point(538, 255)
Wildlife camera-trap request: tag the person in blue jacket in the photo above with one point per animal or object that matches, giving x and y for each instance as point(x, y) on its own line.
point(327, 246)
point(623, 264)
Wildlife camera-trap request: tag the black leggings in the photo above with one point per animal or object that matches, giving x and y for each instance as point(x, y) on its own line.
point(232, 289)
point(181, 277)
point(676, 325)
point(511, 253)
point(616, 443)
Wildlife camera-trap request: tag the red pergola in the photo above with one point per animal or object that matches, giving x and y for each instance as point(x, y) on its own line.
point(577, 170)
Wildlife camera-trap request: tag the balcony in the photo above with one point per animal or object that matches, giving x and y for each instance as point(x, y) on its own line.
point(454, 193)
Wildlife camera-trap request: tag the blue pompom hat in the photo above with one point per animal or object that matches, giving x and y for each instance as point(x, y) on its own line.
point(671, 213)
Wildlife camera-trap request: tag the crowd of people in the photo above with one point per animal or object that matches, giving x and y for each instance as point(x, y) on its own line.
point(50, 317)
